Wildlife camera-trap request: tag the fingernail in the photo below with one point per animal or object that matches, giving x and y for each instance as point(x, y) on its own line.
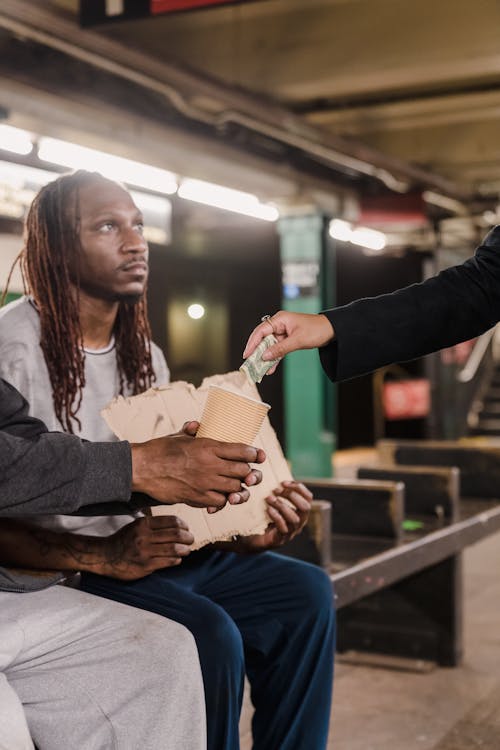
point(235, 499)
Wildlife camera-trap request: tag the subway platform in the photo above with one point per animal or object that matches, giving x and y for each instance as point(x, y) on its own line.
point(410, 706)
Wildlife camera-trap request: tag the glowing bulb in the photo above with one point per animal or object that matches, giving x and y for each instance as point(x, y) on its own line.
point(369, 238)
point(75, 156)
point(219, 196)
point(340, 230)
point(196, 311)
point(15, 140)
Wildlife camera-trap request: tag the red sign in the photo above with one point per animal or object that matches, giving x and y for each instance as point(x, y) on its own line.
point(406, 399)
point(96, 12)
point(393, 211)
point(167, 6)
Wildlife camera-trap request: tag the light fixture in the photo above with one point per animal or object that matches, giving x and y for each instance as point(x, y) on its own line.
point(363, 236)
point(218, 196)
point(196, 311)
point(19, 176)
point(15, 140)
point(115, 167)
point(340, 230)
point(369, 238)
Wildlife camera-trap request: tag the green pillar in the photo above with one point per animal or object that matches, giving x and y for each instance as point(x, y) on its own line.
point(308, 285)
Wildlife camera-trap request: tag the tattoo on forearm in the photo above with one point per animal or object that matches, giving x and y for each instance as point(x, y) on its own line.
point(79, 550)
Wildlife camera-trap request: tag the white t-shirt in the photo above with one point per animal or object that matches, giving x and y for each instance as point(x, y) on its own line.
point(23, 365)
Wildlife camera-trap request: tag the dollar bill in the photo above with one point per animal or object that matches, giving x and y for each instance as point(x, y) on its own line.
point(254, 366)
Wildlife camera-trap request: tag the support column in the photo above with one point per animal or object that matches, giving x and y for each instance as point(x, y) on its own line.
point(308, 284)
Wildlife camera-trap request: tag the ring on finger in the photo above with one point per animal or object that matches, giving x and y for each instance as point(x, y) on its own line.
point(267, 319)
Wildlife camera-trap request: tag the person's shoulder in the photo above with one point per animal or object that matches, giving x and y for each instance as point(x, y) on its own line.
point(492, 239)
point(19, 321)
point(21, 309)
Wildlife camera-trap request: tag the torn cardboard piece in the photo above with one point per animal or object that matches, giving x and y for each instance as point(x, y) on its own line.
point(163, 411)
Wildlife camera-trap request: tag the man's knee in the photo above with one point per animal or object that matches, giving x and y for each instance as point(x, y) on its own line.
point(313, 588)
point(217, 635)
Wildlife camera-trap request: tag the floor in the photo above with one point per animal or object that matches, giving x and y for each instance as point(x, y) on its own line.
point(444, 709)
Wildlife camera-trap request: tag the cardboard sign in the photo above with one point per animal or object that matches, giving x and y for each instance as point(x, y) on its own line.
point(163, 411)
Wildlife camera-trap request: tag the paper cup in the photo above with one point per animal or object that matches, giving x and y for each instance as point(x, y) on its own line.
point(231, 417)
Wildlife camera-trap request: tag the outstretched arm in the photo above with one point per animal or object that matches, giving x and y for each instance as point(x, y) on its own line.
point(458, 304)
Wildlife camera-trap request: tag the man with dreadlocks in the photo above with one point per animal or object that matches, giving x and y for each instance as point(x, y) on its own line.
point(80, 338)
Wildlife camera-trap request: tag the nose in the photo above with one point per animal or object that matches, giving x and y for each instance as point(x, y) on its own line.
point(133, 241)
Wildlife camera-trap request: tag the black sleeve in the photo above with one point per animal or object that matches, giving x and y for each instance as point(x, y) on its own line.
point(50, 472)
point(456, 305)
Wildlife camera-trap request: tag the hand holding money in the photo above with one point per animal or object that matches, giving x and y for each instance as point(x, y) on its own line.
point(254, 366)
point(293, 331)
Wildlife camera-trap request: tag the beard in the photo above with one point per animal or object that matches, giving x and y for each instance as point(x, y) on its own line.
point(105, 294)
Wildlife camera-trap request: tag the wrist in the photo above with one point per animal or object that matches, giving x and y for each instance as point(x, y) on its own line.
point(87, 553)
point(327, 330)
point(139, 468)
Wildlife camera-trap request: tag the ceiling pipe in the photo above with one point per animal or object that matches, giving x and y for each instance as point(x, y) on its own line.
point(41, 25)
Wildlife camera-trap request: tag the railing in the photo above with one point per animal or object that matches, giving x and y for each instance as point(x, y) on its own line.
point(481, 349)
point(474, 378)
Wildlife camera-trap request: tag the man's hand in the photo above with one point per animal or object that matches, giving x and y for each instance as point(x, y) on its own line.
point(134, 551)
point(293, 331)
point(289, 507)
point(143, 546)
point(200, 472)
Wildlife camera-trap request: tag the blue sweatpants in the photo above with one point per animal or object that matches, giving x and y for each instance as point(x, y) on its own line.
point(265, 614)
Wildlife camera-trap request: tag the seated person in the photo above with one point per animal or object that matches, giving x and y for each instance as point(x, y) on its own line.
point(78, 340)
point(76, 670)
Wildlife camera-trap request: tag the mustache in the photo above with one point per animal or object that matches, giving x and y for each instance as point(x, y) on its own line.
point(129, 263)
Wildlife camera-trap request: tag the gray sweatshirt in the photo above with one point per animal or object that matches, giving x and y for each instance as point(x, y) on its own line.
point(49, 472)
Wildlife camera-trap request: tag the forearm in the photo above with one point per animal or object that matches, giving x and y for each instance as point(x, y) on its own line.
point(58, 473)
point(458, 304)
point(26, 546)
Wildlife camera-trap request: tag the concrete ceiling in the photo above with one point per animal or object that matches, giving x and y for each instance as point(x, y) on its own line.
point(370, 96)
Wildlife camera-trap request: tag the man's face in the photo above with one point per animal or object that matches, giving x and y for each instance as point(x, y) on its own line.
point(113, 257)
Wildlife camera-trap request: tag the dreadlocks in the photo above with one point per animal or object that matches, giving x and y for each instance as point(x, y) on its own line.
point(51, 249)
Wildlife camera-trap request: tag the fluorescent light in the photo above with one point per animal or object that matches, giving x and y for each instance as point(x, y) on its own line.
point(115, 167)
point(15, 140)
point(18, 175)
point(196, 311)
point(340, 230)
point(155, 204)
point(370, 238)
point(226, 198)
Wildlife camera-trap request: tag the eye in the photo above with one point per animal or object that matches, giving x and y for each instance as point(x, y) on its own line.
point(106, 226)
point(140, 227)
